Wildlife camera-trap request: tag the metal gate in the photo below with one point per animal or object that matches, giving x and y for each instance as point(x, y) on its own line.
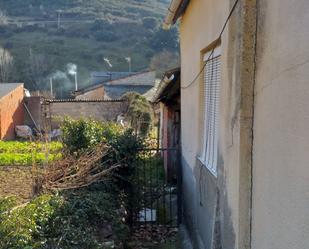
point(157, 188)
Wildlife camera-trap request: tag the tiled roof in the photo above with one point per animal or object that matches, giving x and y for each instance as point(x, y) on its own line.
point(82, 100)
point(117, 91)
point(141, 79)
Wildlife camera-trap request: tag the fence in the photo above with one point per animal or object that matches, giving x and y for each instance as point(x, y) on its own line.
point(158, 194)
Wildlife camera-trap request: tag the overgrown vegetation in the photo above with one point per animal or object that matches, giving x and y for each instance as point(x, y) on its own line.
point(140, 113)
point(79, 215)
point(78, 219)
point(92, 216)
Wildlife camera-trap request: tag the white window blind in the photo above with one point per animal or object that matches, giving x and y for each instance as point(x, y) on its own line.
point(212, 79)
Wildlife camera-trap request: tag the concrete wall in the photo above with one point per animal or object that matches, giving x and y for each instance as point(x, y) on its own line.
point(98, 110)
point(281, 136)
point(11, 113)
point(217, 209)
point(97, 93)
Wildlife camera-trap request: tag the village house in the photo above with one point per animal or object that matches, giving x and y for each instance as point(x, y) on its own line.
point(114, 86)
point(167, 102)
point(244, 122)
point(11, 109)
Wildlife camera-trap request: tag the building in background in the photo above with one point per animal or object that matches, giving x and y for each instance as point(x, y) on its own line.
point(11, 109)
point(100, 77)
point(244, 122)
point(167, 99)
point(116, 87)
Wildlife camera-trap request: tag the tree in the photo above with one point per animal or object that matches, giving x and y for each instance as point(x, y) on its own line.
point(163, 61)
point(165, 40)
point(37, 68)
point(150, 23)
point(6, 65)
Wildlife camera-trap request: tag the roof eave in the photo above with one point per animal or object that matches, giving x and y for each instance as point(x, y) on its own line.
point(176, 10)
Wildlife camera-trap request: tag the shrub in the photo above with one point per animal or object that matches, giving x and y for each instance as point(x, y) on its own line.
point(80, 134)
point(65, 221)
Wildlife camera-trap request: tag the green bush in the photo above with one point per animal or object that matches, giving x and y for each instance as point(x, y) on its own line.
point(79, 134)
point(68, 221)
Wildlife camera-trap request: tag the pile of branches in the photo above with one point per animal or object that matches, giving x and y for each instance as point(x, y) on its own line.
point(78, 171)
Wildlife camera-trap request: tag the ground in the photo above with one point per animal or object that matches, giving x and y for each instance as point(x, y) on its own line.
point(16, 181)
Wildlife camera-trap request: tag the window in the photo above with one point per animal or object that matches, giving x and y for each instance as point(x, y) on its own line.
point(212, 79)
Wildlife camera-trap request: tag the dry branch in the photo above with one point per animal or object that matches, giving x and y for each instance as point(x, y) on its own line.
point(73, 171)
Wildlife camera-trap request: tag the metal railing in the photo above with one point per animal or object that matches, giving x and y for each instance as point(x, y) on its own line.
point(157, 187)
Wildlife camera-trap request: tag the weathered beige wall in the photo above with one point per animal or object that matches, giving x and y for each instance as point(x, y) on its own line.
point(281, 123)
point(97, 93)
point(98, 110)
point(225, 198)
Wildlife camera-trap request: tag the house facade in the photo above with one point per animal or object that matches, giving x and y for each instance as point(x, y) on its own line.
point(11, 109)
point(244, 116)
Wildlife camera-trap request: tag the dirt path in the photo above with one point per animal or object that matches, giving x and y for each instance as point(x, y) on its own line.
point(16, 181)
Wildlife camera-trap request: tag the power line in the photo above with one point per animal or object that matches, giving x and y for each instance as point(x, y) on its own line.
point(212, 51)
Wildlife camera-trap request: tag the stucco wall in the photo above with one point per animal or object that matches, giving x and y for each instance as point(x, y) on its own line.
point(11, 112)
point(217, 209)
point(281, 137)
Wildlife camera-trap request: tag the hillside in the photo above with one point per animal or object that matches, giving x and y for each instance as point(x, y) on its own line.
point(44, 36)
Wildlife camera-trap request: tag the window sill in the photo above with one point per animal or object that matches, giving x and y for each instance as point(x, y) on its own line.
point(211, 170)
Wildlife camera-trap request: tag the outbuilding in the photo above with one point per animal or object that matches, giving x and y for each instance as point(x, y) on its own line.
point(11, 109)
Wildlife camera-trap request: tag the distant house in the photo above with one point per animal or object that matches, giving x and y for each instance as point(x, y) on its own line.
point(11, 109)
point(167, 98)
point(100, 77)
point(244, 122)
point(113, 89)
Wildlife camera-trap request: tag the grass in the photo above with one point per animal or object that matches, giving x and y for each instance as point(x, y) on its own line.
point(27, 153)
